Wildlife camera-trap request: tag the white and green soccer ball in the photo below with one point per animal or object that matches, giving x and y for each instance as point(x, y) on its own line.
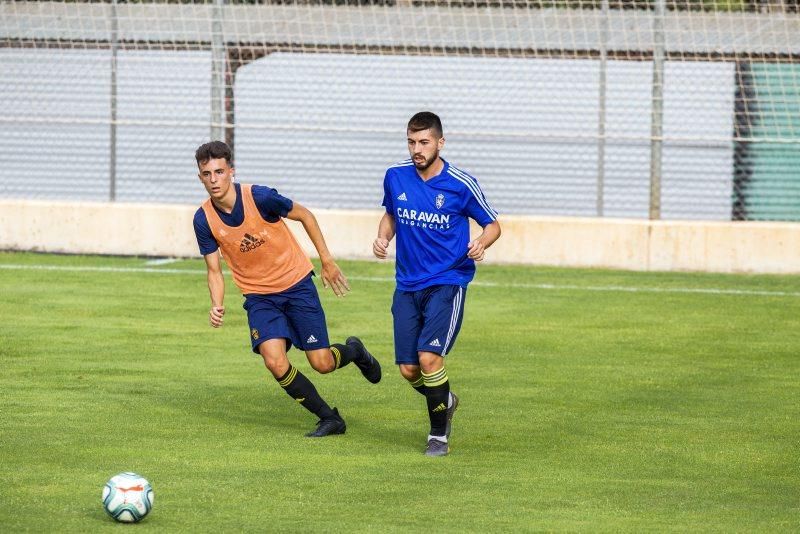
point(128, 497)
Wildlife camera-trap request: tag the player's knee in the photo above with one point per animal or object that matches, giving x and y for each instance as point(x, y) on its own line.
point(275, 364)
point(323, 367)
point(322, 362)
point(430, 362)
point(273, 352)
point(409, 372)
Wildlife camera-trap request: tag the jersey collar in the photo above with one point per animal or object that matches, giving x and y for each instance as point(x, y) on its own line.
point(237, 204)
point(445, 167)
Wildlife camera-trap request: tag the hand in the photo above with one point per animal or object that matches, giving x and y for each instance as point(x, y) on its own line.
point(333, 277)
point(379, 247)
point(475, 250)
point(215, 316)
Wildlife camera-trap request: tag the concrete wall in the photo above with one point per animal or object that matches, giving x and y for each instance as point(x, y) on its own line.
point(159, 230)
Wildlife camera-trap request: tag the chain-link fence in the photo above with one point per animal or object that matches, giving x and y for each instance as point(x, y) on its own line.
point(657, 109)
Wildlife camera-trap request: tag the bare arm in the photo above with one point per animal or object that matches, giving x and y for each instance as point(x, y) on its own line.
point(216, 289)
point(477, 247)
point(331, 274)
point(386, 229)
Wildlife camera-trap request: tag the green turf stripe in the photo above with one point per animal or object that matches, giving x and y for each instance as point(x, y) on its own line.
point(478, 283)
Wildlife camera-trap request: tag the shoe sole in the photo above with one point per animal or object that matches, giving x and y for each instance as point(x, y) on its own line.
point(336, 432)
point(373, 374)
point(340, 429)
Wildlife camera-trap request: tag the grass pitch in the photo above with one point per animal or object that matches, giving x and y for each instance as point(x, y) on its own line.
point(591, 400)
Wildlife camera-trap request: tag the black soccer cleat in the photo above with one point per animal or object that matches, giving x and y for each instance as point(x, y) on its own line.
point(450, 412)
point(437, 448)
point(329, 426)
point(370, 367)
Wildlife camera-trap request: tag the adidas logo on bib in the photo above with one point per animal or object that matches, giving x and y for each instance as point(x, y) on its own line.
point(250, 242)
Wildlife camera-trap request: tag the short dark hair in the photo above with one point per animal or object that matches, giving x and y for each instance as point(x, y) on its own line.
point(425, 120)
point(213, 150)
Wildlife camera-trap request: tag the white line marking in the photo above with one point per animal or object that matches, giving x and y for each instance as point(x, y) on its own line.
point(90, 269)
point(625, 289)
point(161, 261)
point(385, 279)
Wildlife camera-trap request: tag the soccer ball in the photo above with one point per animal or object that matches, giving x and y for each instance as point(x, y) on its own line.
point(128, 497)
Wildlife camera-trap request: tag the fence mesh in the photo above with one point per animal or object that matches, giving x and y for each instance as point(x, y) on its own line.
point(674, 110)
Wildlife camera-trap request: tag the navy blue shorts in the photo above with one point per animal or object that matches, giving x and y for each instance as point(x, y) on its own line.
point(426, 320)
point(295, 315)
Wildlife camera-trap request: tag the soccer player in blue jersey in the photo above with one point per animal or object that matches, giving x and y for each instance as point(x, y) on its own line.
point(245, 223)
point(428, 205)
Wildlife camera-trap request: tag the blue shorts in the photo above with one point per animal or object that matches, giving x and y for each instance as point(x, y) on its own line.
point(295, 315)
point(426, 320)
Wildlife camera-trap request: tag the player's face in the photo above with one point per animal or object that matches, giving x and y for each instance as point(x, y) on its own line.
point(216, 176)
point(424, 147)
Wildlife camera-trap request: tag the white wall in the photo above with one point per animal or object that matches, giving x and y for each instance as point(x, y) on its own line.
point(323, 128)
point(166, 230)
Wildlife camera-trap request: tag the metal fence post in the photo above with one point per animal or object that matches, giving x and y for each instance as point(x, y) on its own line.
point(601, 119)
point(218, 60)
point(112, 171)
point(657, 116)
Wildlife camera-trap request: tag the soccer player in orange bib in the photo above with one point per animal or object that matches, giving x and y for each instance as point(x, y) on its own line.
point(245, 223)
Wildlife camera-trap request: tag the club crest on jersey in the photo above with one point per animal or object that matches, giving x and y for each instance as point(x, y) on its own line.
point(439, 201)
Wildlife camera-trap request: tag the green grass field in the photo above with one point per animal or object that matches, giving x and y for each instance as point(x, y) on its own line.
point(591, 401)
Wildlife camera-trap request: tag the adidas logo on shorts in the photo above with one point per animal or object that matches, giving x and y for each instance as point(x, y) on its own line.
point(311, 339)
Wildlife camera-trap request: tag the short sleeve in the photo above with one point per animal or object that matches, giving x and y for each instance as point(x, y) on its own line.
point(477, 207)
point(387, 195)
point(271, 205)
point(202, 231)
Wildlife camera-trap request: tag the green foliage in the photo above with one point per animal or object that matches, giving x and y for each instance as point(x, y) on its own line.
point(586, 406)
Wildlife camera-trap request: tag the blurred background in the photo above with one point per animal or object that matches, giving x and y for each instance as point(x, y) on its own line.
point(645, 109)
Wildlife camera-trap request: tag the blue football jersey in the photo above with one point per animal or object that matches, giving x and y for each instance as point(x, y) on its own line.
point(432, 224)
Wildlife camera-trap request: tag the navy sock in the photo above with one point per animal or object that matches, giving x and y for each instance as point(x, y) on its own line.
point(419, 386)
point(303, 391)
point(343, 354)
point(437, 396)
